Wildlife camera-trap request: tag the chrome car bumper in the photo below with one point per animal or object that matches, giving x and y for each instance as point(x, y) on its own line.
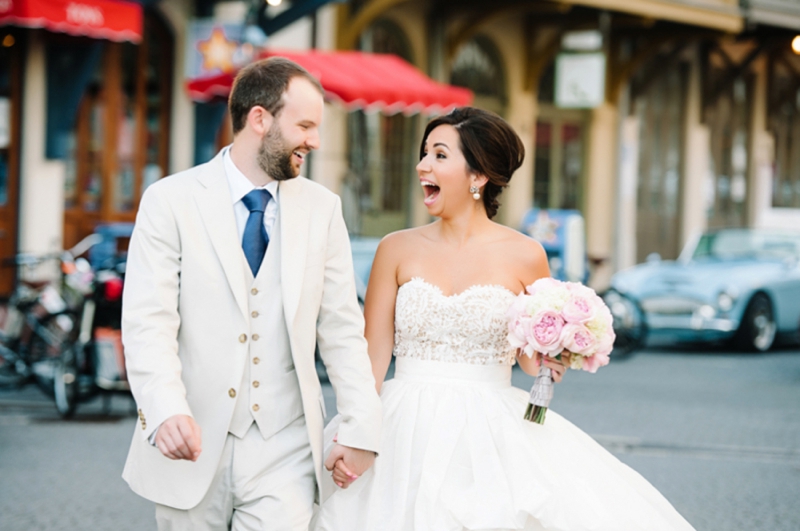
point(689, 323)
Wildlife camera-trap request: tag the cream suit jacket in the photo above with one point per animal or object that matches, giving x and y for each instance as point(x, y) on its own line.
point(185, 323)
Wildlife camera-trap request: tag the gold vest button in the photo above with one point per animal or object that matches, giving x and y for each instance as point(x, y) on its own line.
point(232, 393)
point(254, 314)
point(255, 407)
point(256, 384)
point(254, 291)
point(242, 338)
point(255, 337)
point(256, 361)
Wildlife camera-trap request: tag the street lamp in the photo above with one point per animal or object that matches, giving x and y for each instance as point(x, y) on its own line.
point(796, 45)
point(274, 3)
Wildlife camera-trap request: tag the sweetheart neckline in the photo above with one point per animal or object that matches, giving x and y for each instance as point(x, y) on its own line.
point(460, 293)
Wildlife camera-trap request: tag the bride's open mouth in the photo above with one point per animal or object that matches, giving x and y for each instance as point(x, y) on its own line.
point(431, 191)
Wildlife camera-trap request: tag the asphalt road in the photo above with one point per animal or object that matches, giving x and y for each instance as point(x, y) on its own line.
point(717, 433)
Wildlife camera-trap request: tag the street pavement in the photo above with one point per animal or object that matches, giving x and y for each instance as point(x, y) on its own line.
point(717, 433)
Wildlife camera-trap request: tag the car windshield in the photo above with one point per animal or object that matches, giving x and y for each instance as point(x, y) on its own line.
point(734, 244)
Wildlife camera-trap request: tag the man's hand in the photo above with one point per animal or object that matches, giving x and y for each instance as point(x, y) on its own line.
point(347, 464)
point(178, 437)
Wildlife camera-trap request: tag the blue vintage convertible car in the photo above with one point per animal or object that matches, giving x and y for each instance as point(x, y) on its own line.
point(740, 285)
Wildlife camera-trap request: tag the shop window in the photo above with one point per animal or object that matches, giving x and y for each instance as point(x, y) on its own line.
point(660, 112)
point(381, 152)
point(784, 124)
point(478, 67)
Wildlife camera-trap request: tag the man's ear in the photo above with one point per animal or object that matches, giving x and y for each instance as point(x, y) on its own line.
point(259, 120)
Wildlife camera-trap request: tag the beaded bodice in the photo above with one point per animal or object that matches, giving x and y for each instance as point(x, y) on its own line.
point(468, 327)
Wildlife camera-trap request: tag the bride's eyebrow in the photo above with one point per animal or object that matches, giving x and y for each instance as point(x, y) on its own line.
point(442, 144)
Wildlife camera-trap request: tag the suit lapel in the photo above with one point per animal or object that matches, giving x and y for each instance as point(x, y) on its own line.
point(294, 213)
point(214, 200)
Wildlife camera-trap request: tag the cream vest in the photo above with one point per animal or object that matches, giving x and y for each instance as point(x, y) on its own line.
point(269, 393)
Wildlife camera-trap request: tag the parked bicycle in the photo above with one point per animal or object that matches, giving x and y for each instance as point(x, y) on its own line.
point(40, 339)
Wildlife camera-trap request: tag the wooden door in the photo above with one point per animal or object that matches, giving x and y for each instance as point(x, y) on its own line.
point(10, 84)
point(121, 140)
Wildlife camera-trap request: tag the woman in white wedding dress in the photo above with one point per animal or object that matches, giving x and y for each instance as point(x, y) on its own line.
point(456, 453)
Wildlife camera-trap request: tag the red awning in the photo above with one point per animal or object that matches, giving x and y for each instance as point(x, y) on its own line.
point(357, 80)
point(101, 19)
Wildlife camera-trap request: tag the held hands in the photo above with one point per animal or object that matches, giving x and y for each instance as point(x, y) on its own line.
point(178, 437)
point(347, 464)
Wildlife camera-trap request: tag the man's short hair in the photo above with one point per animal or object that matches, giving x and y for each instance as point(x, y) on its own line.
point(264, 83)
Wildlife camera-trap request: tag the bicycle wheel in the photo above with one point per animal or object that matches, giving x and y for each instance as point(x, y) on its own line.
point(10, 375)
point(49, 342)
point(65, 381)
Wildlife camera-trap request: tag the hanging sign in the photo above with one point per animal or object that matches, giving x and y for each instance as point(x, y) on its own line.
point(580, 80)
point(216, 48)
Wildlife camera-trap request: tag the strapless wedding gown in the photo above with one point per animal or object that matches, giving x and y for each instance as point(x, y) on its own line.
point(456, 453)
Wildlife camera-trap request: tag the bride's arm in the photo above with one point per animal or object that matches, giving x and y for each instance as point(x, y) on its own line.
point(379, 307)
point(535, 266)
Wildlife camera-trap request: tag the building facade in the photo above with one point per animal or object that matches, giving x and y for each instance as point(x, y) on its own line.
point(697, 127)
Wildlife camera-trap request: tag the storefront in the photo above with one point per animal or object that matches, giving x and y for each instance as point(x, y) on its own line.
point(61, 40)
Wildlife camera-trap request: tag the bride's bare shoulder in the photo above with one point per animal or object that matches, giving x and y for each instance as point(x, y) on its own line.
point(525, 252)
point(403, 240)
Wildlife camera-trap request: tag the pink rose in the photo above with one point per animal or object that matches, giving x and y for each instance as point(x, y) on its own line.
point(578, 339)
point(592, 363)
point(518, 323)
point(544, 332)
point(516, 331)
point(578, 309)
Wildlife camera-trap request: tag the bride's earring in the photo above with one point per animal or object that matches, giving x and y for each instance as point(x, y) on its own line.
point(476, 192)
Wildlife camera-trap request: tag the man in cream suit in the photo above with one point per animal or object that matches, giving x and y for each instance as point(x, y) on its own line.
point(236, 269)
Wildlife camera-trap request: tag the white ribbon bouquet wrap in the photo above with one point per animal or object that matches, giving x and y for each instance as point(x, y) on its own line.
point(554, 317)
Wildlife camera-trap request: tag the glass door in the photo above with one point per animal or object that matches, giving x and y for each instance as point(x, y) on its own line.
point(559, 159)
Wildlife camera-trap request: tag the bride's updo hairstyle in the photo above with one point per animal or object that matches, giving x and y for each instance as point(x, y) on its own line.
point(490, 146)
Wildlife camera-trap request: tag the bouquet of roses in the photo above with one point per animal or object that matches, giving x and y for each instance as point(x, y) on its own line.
point(553, 317)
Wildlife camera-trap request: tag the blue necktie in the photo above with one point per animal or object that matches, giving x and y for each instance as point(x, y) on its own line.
point(255, 238)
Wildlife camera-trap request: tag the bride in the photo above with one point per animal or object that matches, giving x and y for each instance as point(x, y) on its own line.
point(456, 453)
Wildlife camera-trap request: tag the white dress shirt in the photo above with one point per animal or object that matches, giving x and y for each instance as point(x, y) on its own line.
point(240, 186)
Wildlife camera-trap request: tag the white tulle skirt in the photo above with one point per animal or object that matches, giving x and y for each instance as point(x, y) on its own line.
point(457, 455)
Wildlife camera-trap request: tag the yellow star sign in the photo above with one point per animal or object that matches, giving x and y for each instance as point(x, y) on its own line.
point(217, 51)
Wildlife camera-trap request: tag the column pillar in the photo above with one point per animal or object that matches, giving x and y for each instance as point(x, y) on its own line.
point(41, 209)
point(696, 151)
point(601, 186)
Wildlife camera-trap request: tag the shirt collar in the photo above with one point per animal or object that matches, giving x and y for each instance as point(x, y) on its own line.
point(240, 185)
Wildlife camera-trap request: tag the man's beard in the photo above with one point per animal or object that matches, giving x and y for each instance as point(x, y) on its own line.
point(273, 156)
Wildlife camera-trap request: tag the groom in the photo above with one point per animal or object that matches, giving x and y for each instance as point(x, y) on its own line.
point(237, 268)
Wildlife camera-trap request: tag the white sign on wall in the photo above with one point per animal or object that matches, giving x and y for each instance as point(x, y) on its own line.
point(5, 122)
point(580, 80)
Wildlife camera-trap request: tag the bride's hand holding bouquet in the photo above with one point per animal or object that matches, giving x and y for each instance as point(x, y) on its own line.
point(562, 320)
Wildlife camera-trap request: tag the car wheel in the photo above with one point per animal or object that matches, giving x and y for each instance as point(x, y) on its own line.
point(629, 326)
point(758, 329)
